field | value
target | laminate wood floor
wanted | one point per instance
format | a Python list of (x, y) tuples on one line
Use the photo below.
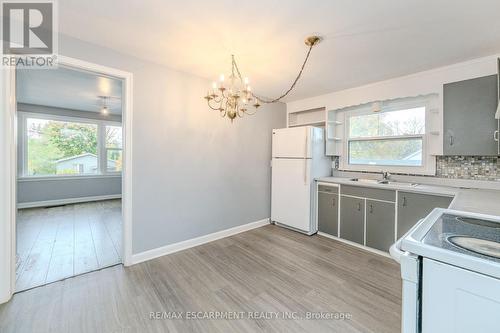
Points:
[(59, 242), (262, 271)]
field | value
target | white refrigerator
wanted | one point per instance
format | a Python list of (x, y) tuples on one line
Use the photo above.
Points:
[(298, 157)]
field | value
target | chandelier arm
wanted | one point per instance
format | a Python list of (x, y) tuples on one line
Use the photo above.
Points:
[(223, 95), (251, 113), (212, 106)]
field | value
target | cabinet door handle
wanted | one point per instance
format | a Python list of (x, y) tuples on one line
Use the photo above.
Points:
[(495, 136), (359, 206), (451, 140), (371, 208), (404, 202)]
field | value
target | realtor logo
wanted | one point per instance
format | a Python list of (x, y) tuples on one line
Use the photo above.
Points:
[(28, 33)]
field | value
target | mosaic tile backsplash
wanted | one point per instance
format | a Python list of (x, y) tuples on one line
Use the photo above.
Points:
[(463, 167), (468, 167)]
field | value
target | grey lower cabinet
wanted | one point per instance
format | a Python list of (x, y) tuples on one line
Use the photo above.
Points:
[(380, 220), (415, 206), (328, 213), (367, 216), (352, 219)]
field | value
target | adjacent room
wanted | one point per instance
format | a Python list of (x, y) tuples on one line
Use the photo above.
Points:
[(259, 166), (69, 174)]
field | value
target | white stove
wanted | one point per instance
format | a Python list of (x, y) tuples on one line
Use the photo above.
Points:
[(450, 266)]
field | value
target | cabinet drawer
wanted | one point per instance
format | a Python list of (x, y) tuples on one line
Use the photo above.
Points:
[(370, 193), (328, 189)]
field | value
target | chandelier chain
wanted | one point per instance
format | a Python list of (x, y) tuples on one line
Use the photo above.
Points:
[(269, 101), (235, 99)]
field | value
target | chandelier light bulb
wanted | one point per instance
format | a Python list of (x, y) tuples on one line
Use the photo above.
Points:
[(221, 78), (246, 81), (214, 85)]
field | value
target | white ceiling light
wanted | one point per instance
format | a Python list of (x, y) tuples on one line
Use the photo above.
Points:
[(104, 107), (376, 107)]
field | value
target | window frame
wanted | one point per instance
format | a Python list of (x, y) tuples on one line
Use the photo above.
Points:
[(101, 145), (105, 149), (428, 166)]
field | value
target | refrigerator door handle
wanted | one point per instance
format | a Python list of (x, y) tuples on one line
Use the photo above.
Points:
[(307, 143), (305, 155), (305, 172)]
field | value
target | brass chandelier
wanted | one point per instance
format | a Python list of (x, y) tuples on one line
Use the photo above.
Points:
[(236, 97)]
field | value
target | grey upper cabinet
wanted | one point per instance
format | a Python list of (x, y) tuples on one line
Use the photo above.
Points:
[(380, 220), (415, 206), (328, 213), (469, 117), (352, 223)]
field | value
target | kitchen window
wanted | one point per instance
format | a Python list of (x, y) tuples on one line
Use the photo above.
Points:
[(388, 136), (54, 146), (393, 138)]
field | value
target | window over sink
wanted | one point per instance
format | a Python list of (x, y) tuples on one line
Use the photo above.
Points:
[(388, 136), (393, 138)]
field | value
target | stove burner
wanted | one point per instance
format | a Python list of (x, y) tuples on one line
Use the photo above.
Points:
[(477, 245)]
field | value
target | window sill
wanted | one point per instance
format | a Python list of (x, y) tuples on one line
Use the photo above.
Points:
[(68, 177), (422, 170)]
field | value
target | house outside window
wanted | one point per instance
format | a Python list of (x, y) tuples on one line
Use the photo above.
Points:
[(65, 146)]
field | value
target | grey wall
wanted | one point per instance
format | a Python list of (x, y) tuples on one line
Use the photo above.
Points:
[(56, 189), (31, 190), (194, 173)]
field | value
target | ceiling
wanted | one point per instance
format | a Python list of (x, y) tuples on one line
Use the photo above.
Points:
[(365, 41), (69, 89)]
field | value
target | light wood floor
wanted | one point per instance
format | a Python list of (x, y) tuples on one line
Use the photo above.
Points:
[(265, 269), (59, 242)]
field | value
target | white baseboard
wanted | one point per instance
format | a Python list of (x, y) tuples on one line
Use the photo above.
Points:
[(68, 201), (168, 249)]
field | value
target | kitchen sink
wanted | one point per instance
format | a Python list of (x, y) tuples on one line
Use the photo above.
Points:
[(363, 180), (382, 182)]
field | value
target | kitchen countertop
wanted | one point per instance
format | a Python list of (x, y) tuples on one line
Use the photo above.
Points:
[(480, 201)]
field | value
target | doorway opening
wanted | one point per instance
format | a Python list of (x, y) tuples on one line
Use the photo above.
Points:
[(70, 165)]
